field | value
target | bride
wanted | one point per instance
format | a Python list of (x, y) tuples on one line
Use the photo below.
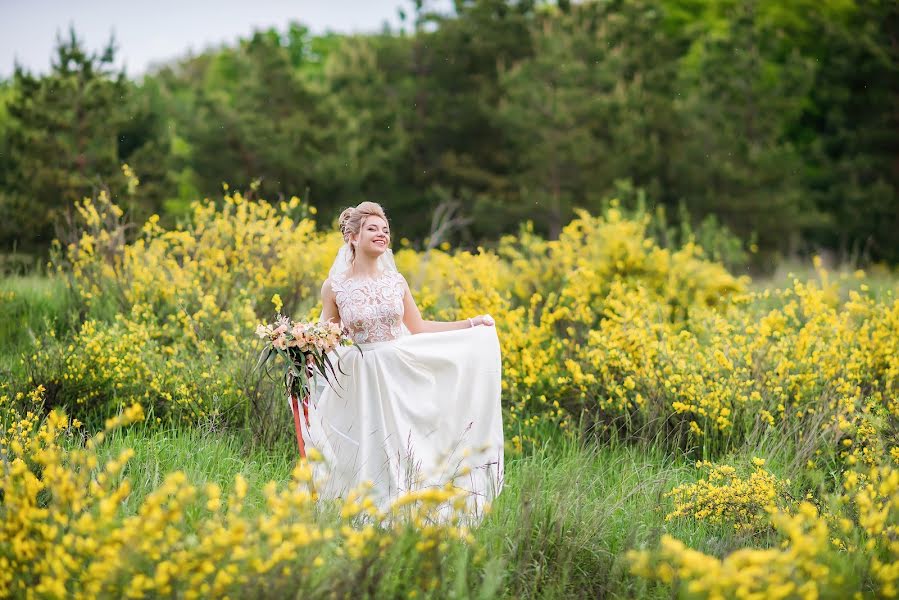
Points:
[(409, 411)]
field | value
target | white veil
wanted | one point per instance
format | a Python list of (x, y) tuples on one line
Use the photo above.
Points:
[(343, 261)]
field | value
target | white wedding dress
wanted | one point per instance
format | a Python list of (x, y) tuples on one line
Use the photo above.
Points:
[(409, 411)]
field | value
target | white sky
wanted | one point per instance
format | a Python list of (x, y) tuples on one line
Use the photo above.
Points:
[(157, 30)]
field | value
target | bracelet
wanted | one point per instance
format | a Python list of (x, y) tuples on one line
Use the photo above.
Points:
[(470, 323)]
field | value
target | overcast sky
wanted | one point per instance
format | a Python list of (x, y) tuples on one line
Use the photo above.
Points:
[(150, 31)]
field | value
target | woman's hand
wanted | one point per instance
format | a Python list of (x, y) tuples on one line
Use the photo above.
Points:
[(482, 320)]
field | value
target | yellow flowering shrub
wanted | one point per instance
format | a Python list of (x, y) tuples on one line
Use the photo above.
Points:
[(869, 523), (602, 327), (796, 570), (213, 275), (173, 309), (132, 359), (64, 532), (724, 497), (802, 358), (848, 549), (587, 311)]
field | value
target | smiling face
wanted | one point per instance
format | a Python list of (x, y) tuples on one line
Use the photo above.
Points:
[(374, 236)]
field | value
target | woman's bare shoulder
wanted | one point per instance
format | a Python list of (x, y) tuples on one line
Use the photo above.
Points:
[(327, 288), (336, 280), (399, 278)]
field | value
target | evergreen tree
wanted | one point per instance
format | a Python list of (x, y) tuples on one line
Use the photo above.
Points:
[(365, 76), (848, 129), (256, 119), (547, 108), (63, 143), (739, 98), (592, 107), (459, 151)]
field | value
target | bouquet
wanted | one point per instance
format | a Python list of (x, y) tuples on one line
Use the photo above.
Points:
[(304, 347)]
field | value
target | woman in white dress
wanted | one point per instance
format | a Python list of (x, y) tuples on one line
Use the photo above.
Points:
[(409, 411)]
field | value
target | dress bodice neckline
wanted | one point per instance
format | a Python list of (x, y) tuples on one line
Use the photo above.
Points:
[(370, 307), (346, 277)]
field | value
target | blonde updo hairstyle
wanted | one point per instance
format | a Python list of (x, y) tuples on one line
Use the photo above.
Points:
[(352, 218)]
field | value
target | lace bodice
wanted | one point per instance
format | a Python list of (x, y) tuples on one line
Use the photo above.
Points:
[(371, 308)]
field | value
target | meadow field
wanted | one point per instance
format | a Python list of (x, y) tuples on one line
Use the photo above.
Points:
[(673, 429)]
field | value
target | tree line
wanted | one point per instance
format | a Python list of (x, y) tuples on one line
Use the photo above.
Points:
[(778, 120)]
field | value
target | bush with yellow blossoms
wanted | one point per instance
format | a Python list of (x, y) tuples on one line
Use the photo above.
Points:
[(168, 312), (725, 497), (797, 569), (556, 301), (602, 327), (803, 361), (847, 548), (64, 532), (106, 365)]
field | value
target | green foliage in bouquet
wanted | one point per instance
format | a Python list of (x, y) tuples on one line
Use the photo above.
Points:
[(303, 346)]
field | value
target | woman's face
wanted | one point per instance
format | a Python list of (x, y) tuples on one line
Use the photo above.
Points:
[(374, 236)]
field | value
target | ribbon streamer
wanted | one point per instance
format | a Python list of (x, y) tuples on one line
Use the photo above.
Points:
[(295, 408)]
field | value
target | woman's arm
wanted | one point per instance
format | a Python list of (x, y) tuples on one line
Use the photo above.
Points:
[(413, 321), (329, 303), (329, 310)]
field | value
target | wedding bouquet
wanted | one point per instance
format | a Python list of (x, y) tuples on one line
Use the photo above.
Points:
[(303, 346)]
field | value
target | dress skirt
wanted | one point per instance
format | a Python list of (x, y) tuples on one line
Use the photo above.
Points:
[(415, 412)]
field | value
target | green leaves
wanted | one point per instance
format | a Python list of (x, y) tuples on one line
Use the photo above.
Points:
[(300, 365), (775, 117)]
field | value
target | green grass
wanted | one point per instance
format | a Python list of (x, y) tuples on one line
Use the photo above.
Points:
[(568, 513), (560, 528), (881, 281), (204, 456), (30, 306)]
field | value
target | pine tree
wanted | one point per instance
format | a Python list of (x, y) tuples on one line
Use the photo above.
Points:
[(256, 118), (547, 108), (740, 96), (64, 139)]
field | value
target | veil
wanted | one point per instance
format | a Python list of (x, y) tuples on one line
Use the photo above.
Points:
[(343, 261)]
